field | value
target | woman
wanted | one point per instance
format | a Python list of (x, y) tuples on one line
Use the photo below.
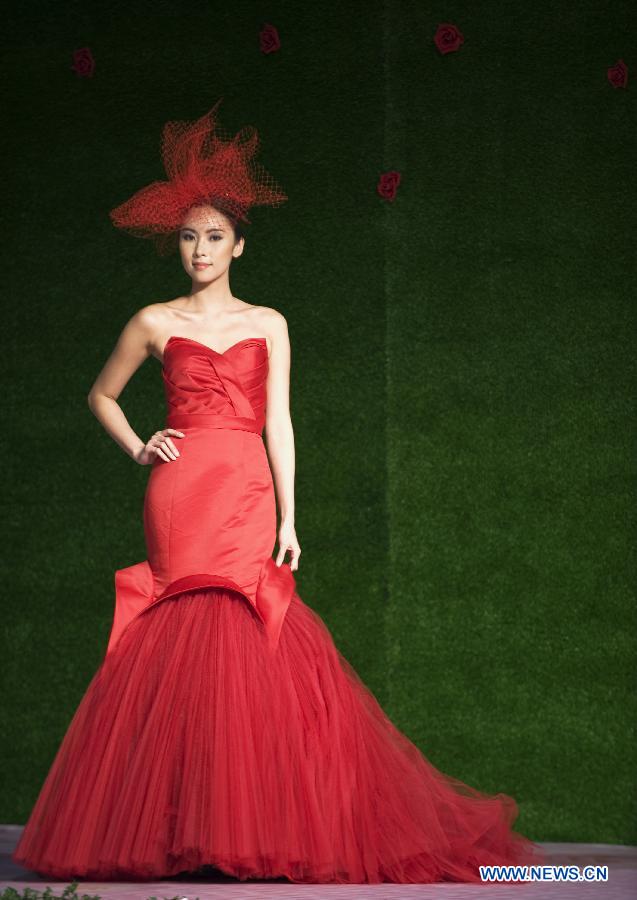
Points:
[(224, 728)]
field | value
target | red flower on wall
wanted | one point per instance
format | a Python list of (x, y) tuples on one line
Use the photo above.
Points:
[(269, 38), (618, 74), (448, 38), (388, 184), (83, 62)]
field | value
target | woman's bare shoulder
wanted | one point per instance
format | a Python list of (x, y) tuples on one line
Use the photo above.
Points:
[(157, 315), (270, 317), (149, 323), (151, 312), (163, 308), (271, 323)]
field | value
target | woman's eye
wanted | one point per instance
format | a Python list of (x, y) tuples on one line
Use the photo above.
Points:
[(214, 237)]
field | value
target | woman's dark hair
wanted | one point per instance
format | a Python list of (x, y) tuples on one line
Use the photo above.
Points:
[(239, 230), (230, 213)]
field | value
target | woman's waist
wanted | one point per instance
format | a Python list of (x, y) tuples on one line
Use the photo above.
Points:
[(213, 420)]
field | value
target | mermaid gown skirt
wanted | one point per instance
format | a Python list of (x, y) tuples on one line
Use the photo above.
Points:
[(223, 727)]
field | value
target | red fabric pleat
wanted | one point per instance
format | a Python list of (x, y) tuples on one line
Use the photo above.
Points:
[(194, 746)]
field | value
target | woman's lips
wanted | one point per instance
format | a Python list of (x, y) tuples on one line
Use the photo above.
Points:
[(200, 265)]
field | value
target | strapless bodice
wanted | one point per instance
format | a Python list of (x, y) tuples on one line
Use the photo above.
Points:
[(210, 513), (219, 390)]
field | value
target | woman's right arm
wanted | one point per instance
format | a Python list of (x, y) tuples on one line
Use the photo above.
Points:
[(131, 350)]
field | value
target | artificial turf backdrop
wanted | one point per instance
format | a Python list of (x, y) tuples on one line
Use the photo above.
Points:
[(463, 374)]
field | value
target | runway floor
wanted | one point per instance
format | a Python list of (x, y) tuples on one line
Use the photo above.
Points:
[(621, 884)]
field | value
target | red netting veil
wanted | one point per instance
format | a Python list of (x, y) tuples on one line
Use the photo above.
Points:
[(205, 166)]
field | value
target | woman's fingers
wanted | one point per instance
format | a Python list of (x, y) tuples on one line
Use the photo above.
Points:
[(158, 446), (169, 446), (295, 554), (172, 447), (163, 446)]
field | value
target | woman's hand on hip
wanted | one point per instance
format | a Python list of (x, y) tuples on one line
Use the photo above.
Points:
[(160, 445)]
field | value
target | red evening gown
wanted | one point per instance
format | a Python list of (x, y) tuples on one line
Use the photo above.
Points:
[(223, 727)]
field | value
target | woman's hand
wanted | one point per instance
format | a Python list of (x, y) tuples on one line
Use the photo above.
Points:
[(160, 445), (288, 541)]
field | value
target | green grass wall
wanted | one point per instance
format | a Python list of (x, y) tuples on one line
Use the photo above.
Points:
[(463, 375)]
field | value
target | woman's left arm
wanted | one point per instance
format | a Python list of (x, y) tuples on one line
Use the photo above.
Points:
[(279, 435)]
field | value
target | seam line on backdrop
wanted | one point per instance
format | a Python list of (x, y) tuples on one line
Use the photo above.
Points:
[(390, 634)]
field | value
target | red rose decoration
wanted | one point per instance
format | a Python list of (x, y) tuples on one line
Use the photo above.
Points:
[(269, 38), (387, 184), (448, 38), (83, 62), (618, 74)]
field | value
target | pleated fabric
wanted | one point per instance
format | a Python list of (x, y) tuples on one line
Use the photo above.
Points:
[(194, 746)]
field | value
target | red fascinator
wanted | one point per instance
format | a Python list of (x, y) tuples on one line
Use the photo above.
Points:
[(204, 167)]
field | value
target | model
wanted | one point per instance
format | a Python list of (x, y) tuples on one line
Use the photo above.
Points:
[(223, 727)]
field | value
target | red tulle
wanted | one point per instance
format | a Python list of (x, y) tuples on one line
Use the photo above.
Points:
[(205, 166), (194, 746)]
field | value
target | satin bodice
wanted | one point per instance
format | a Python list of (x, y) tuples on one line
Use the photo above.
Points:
[(210, 513), (212, 389)]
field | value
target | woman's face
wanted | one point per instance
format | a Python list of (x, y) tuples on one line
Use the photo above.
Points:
[(207, 238)]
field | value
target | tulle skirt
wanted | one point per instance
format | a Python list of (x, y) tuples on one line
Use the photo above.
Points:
[(194, 747)]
